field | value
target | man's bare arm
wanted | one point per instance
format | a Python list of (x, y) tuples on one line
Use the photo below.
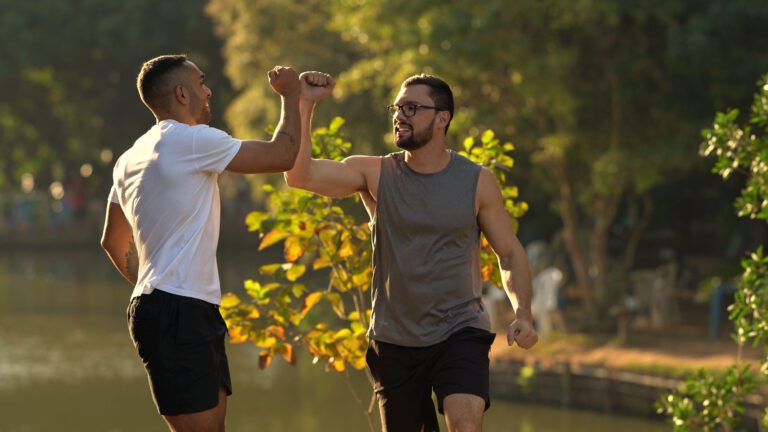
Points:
[(117, 241), (324, 177), (513, 263), (279, 153)]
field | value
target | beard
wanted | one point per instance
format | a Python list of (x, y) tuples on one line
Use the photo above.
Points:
[(206, 115), (202, 111), (416, 139)]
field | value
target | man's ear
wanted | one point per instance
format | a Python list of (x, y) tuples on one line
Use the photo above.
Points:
[(443, 117), (180, 94)]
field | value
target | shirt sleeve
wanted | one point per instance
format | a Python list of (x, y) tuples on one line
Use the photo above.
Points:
[(113, 195), (213, 149)]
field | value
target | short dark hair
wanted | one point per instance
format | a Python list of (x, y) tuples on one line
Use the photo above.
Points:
[(439, 91), (153, 83)]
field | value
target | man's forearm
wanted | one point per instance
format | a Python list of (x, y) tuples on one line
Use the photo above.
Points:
[(301, 167), (516, 277), (288, 130), (126, 261), (131, 263)]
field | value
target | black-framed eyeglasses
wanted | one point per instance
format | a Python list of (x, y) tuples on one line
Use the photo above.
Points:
[(409, 109)]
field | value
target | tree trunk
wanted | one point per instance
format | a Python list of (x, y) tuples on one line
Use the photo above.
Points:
[(638, 228), (605, 212), (571, 240)]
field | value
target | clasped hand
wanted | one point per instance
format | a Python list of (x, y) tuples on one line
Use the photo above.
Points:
[(284, 80)]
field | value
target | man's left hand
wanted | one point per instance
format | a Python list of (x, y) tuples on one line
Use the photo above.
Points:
[(316, 85), (522, 331)]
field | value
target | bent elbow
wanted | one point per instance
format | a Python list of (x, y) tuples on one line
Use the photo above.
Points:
[(109, 243), (296, 178), (288, 163), (107, 247)]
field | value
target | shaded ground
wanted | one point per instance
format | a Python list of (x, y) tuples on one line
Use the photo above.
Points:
[(679, 349), (669, 355)]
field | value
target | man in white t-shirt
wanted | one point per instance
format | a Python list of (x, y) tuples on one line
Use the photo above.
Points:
[(162, 229)]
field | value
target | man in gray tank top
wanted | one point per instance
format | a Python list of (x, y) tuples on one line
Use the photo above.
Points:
[(428, 206)]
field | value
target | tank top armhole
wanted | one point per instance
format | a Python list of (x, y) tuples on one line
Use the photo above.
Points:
[(382, 163), (478, 170)]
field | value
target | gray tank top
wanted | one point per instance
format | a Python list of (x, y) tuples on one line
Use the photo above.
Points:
[(426, 253)]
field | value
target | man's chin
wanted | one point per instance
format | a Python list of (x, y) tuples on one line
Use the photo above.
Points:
[(408, 144), (403, 146)]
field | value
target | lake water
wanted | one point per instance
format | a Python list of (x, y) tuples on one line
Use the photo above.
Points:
[(67, 363)]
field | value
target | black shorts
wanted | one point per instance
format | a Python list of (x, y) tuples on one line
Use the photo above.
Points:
[(404, 377), (181, 342)]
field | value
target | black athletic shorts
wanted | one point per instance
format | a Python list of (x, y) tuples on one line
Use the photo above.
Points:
[(181, 342), (404, 377)]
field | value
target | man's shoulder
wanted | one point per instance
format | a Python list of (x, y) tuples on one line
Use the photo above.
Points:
[(464, 160), (367, 166), (207, 129), (172, 127), (363, 160)]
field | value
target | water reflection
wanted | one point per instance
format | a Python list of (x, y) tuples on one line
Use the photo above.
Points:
[(67, 364)]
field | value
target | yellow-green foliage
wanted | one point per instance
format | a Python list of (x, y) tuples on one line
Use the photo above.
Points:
[(316, 233)]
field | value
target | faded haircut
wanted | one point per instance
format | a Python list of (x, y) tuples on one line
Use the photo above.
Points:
[(154, 81)]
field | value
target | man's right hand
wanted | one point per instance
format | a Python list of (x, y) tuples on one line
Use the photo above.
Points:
[(284, 80), (315, 86)]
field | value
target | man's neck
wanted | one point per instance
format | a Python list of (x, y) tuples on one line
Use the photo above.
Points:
[(431, 158), (176, 117)]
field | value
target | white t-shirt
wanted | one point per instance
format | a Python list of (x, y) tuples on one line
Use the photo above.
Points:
[(166, 184)]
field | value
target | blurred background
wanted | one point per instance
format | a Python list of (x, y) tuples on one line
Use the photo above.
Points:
[(604, 101)]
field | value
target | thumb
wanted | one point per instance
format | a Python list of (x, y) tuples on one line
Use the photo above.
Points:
[(512, 331)]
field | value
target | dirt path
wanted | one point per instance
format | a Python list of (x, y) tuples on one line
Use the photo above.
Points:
[(669, 355)]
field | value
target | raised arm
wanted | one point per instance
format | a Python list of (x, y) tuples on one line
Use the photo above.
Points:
[(324, 177), (513, 263), (279, 153), (117, 241)]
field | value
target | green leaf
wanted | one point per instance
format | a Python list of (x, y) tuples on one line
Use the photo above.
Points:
[(321, 263), (468, 143), (295, 271), (270, 269), (252, 288), (488, 136), (254, 220), (337, 303), (310, 301), (342, 334), (336, 124), (272, 237), (298, 290), (229, 300)]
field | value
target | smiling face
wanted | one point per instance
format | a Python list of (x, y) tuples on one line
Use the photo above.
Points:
[(199, 94), (411, 133)]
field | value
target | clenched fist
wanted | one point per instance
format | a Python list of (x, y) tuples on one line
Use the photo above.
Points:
[(521, 331), (284, 80), (315, 86)]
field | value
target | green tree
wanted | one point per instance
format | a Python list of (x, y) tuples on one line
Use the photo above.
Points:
[(68, 70), (261, 34), (604, 97), (708, 402), (598, 92), (318, 233)]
